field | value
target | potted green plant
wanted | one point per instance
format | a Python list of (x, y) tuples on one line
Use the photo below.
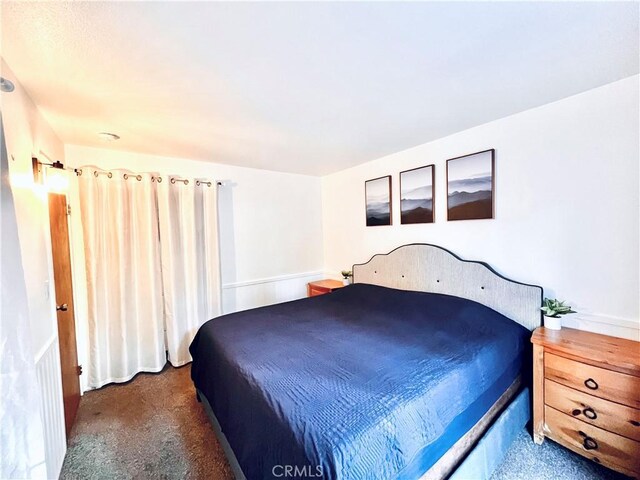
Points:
[(553, 310), (347, 276)]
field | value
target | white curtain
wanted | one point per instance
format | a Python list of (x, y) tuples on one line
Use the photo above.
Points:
[(153, 270), (124, 282), (190, 261)]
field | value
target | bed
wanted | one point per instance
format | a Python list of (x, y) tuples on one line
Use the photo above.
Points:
[(417, 370)]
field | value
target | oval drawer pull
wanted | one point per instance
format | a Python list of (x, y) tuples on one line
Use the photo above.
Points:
[(589, 444), (590, 413), (591, 384)]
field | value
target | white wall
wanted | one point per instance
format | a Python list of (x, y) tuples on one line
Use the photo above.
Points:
[(270, 228), (566, 212), (27, 134)]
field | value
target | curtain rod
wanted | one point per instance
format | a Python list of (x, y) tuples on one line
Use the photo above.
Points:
[(138, 177)]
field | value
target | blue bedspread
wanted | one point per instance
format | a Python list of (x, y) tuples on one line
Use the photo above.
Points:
[(365, 383)]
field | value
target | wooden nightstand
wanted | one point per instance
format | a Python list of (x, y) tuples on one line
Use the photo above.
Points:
[(586, 395), (321, 287)]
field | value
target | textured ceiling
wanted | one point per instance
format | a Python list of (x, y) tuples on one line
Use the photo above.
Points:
[(307, 87)]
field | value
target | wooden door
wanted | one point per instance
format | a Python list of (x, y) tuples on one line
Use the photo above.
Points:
[(64, 307)]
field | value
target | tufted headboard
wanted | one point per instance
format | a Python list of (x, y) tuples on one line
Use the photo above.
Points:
[(429, 268)]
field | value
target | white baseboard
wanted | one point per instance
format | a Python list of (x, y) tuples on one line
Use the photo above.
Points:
[(605, 325), (40, 353), (52, 407), (244, 295), (278, 278)]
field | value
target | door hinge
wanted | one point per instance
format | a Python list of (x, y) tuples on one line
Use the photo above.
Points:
[(79, 368), (68, 209)]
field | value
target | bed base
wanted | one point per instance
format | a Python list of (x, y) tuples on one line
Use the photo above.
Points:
[(479, 463), (222, 438), (490, 451), (452, 458)]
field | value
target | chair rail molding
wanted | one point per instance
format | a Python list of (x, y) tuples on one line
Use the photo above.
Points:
[(260, 292)]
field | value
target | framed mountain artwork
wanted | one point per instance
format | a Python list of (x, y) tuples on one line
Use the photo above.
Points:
[(470, 186), (416, 195), (378, 201)]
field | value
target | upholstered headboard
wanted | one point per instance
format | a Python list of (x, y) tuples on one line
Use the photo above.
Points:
[(429, 268)]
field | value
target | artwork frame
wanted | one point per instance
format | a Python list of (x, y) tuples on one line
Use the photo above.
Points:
[(470, 187), (378, 202), (421, 208)]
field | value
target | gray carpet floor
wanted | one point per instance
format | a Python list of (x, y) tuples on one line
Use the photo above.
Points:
[(153, 427), (527, 461)]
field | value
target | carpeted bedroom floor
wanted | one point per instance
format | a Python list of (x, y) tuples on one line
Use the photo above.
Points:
[(153, 427)]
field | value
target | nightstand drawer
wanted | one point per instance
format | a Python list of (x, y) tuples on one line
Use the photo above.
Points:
[(320, 287), (601, 413), (614, 386), (317, 291), (592, 442)]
